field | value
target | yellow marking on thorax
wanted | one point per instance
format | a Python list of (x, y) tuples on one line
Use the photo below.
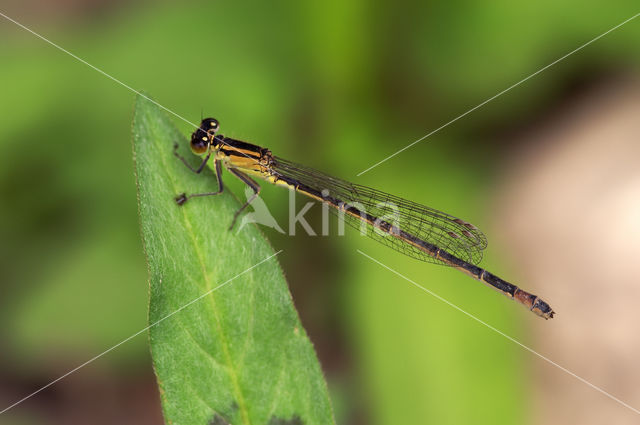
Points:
[(247, 161)]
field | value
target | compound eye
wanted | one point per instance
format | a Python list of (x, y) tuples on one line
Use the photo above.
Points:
[(200, 142), (210, 125)]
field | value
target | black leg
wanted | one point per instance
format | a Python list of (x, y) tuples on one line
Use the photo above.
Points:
[(249, 182), (182, 198), (199, 169)]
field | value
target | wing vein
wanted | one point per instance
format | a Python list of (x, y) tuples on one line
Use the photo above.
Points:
[(443, 230)]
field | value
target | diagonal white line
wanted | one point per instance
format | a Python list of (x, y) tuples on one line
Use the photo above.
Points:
[(95, 68), (499, 94), (138, 333), (504, 335)]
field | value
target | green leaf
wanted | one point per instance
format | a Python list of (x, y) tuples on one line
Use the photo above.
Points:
[(238, 355)]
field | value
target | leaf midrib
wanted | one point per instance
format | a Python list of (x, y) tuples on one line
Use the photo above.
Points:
[(225, 346)]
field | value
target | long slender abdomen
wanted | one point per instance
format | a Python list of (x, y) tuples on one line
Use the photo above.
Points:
[(532, 302)]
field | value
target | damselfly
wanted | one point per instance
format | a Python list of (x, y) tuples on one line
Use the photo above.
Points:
[(410, 228)]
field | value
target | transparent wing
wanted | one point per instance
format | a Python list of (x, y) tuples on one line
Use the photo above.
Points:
[(445, 231)]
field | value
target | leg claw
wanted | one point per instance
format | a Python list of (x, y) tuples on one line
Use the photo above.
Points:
[(181, 199)]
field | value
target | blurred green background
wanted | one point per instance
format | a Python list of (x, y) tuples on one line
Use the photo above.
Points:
[(335, 85)]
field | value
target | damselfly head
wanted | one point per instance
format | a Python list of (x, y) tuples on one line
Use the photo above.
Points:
[(204, 136)]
